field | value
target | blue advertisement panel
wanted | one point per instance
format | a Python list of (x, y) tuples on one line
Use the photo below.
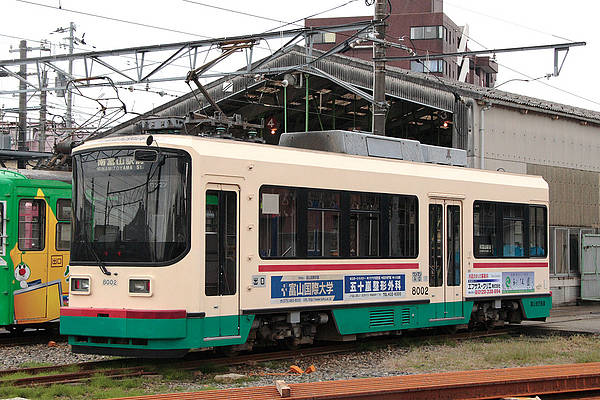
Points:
[(305, 289), (358, 287)]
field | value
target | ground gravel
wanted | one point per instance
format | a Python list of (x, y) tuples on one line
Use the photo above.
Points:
[(16, 356)]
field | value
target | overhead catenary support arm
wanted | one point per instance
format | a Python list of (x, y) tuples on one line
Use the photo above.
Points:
[(561, 46)]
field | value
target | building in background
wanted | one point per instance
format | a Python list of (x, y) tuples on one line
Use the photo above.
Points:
[(422, 26)]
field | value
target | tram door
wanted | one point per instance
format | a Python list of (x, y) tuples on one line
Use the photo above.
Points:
[(445, 257), (222, 261), (31, 261)]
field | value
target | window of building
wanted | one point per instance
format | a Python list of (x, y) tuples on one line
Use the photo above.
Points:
[(566, 242), (324, 38), (509, 230), (427, 32), (32, 224), (427, 65)]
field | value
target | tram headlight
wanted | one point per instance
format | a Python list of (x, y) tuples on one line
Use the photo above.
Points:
[(139, 286), (80, 285)]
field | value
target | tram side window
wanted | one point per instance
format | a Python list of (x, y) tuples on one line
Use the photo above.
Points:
[(403, 226), (323, 224), (507, 230), (32, 223), (513, 224), (364, 225), (484, 229), (278, 222), (537, 231), (63, 226), (2, 239)]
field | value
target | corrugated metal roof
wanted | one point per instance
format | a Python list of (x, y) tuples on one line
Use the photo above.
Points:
[(411, 86)]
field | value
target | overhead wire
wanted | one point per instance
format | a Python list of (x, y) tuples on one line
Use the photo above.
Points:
[(179, 31), (532, 79), (508, 21)]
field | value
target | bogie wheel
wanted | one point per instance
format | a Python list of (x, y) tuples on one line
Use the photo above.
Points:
[(16, 330)]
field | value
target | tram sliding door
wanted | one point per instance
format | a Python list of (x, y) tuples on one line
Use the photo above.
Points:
[(222, 261), (445, 258)]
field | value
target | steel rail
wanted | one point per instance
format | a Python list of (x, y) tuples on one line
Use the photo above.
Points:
[(464, 385)]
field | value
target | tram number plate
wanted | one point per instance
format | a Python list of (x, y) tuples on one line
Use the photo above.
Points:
[(420, 290), (109, 282)]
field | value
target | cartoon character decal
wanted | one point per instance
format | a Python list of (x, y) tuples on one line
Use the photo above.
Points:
[(22, 273)]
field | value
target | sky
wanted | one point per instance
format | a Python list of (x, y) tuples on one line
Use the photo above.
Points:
[(492, 24)]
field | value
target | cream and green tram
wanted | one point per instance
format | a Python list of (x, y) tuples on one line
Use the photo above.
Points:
[(193, 243)]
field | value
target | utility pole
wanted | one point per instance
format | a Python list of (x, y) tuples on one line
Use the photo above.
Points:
[(69, 117), (43, 93), (22, 103), (379, 107)]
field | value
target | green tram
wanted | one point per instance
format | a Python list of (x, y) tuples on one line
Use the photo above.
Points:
[(35, 233)]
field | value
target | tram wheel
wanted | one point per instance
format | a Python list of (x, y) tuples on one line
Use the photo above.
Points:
[(16, 330)]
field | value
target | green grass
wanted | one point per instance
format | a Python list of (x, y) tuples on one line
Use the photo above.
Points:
[(34, 364), (496, 352)]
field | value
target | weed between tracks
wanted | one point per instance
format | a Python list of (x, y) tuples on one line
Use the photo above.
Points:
[(409, 355), (496, 352)]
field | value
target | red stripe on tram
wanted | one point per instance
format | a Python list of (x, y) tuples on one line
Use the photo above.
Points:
[(511, 265), (121, 313), (333, 267)]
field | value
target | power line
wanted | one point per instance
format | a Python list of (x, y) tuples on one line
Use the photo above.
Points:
[(311, 16), (532, 79), (235, 11), (113, 19), (508, 22)]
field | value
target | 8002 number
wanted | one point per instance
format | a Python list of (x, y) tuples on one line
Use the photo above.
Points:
[(420, 290)]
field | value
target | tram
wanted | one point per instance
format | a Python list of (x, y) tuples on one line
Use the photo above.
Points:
[(183, 242), (35, 235)]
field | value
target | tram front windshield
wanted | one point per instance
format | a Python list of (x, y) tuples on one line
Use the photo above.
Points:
[(130, 206)]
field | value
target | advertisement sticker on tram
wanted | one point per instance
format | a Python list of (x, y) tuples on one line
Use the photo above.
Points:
[(305, 289), (518, 282), (358, 287), (484, 283)]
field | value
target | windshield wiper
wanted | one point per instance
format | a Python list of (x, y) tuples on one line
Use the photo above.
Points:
[(100, 262)]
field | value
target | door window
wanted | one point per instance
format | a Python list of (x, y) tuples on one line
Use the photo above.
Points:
[(453, 246), (436, 277), (221, 243)]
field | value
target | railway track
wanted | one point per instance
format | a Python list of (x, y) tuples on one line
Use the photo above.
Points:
[(572, 381), (29, 338), (135, 367)]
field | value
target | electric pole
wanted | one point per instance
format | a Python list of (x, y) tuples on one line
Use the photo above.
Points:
[(43, 92), (22, 103), (379, 105), (69, 117)]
